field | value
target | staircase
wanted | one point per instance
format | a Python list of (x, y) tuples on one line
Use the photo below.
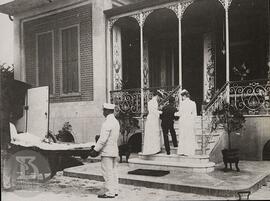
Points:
[(197, 163), (206, 140)]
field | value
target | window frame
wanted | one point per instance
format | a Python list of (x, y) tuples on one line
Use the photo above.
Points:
[(62, 94)]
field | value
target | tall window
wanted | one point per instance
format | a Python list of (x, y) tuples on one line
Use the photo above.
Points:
[(45, 60), (70, 76)]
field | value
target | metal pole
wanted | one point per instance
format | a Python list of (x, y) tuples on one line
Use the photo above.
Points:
[(141, 48), (268, 22), (142, 83), (227, 51), (180, 43)]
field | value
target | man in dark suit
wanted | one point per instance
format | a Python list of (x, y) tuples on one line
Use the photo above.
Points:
[(167, 123)]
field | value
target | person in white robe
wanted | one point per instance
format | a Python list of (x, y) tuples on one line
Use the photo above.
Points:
[(187, 112), (152, 135)]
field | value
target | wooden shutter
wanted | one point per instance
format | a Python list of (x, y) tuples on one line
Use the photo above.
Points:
[(45, 60), (70, 60)]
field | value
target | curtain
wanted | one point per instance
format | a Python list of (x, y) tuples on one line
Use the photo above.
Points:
[(70, 60), (45, 60)]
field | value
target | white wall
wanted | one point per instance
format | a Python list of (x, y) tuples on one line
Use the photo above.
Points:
[(85, 117)]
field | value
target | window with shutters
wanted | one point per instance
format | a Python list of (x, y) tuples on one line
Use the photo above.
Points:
[(70, 60), (45, 62)]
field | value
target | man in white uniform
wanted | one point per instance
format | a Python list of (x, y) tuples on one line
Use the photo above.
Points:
[(108, 148)]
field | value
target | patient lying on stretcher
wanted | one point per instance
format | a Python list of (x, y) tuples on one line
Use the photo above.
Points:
[(29, 139)]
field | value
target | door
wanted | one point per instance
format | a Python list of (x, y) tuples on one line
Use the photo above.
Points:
[(192, 51), (38, 111)]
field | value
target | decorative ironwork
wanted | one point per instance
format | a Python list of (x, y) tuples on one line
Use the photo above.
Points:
[(251, 97), (137, 17), (117, 59), (111, 23), (129, 101), (225, 3), (175, 9), (209, 67), (184, 6), (145, 66), (144, 16), (180, 8), (207, 115), (141, 16)]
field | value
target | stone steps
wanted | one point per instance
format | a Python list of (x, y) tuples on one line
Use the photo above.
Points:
[(173, 165), (199, 134), (172, 162), (175, 158), (198, 151)]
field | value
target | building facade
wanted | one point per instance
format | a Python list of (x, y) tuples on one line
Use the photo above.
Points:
[(62, 44), (91, 51), (208, 47)]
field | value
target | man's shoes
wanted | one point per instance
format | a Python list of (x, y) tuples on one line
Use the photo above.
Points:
[(116, 194), (105, 196), (168, 153)]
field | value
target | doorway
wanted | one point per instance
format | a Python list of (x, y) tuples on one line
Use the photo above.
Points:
[(192, 70)]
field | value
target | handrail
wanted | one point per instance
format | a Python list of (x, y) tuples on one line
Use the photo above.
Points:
[(216, 95), (138, 89), (249, 96), (207, 112), (169, 95), (129, 100)]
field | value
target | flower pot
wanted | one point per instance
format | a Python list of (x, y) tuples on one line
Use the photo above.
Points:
[(231, 156)]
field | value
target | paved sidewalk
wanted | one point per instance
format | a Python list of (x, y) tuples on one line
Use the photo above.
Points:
[(62, 188), (217, 183)]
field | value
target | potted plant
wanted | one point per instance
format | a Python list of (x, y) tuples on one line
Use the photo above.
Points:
[(232, 120)]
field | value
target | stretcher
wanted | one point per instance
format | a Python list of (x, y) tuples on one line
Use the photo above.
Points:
[(54, 153)]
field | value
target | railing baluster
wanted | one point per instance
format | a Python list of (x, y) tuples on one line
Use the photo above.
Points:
[(252, 97), (129, 100)]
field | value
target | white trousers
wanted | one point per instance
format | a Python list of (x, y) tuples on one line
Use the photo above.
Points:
[(110, 174)]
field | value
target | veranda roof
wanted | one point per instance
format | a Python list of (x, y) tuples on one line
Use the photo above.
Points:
[(135, 6)]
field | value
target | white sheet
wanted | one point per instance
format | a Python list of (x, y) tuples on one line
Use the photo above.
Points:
[(30, 140)]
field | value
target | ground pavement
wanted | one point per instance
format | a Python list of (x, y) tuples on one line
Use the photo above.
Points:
[(62, 188)]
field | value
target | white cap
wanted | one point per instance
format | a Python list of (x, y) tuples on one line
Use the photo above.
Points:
[(108, 106), (184, 91)]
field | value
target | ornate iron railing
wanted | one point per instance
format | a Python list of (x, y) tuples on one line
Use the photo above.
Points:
[(207, 115), (251, 97), (128, 101)]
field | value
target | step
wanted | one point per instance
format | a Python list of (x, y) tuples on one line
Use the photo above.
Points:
[(163, 157), (173, 150), (199, 151), (207, 135), (172, 166)]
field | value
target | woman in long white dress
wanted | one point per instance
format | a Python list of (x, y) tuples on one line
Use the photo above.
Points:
[(187, 112), (152, 135)]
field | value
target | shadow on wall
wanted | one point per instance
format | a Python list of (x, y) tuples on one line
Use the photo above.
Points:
[(266, 151)]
